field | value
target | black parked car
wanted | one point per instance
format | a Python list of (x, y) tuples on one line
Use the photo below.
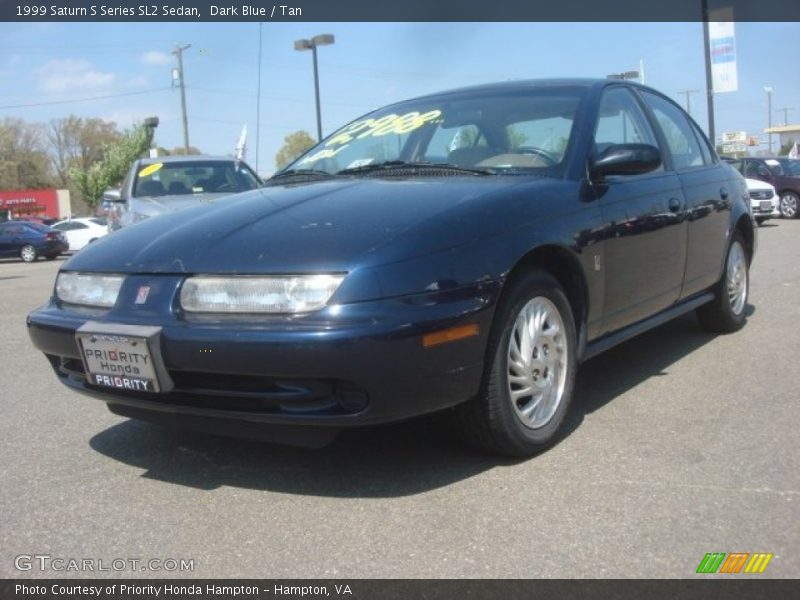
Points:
[(782, 173), (30, 240), (463, 251)]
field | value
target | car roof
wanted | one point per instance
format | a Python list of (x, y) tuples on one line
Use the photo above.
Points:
[(183, 158), (528, 84)]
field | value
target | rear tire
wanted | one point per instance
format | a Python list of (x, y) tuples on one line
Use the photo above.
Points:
[(531, 349), (28, 253), (725, 314)]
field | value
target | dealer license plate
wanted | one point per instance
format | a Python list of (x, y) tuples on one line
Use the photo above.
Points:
[(113, 358)]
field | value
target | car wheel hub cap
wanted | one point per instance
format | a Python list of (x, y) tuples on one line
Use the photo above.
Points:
[(27, 253), (788, 205), (537, 362), (737, 278)]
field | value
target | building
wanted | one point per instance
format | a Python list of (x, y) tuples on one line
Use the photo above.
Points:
[(787, 135), (22, 204)]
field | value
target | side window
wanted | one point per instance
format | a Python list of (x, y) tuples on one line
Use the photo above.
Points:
[(705, 149), (738, 165), (621, 121), (683, 144), (750, 169)]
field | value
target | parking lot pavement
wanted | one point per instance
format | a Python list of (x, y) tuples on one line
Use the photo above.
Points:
[(680, 443)]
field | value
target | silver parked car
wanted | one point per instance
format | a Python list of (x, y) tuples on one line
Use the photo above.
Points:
[(165, 184)]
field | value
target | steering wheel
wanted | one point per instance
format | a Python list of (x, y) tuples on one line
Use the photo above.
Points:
[(541, 153)]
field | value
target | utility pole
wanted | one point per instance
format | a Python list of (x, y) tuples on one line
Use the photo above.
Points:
[(179, 53), (785, 112), (688, 94)]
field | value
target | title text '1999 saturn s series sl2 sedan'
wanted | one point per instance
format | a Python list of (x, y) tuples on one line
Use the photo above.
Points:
[(462, 251)]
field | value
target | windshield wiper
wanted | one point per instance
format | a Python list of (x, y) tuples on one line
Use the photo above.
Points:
[(402, 164), (300, 173)]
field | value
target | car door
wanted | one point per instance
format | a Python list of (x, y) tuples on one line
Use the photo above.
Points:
[(5, 240), (645, 232), (707, 188)]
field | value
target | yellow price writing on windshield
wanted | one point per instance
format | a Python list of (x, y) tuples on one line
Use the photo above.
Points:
[(392, 123)]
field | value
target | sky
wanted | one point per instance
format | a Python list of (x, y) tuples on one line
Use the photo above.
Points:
[(370, 65)]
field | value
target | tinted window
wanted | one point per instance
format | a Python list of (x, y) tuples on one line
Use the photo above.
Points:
[(705, 149), (444, 141), (683, 145)]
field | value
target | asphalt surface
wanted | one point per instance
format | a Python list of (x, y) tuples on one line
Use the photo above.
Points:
[(679, 443)]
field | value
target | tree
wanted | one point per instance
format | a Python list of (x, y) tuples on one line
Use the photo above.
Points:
[(79, 143), (111, 170), (294, 145), (23, 157), (181, 151)]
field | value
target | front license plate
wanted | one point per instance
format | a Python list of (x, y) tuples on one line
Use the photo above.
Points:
[(766, 205), (123, 357)]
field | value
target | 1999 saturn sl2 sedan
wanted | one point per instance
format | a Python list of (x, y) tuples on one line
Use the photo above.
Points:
[(465, 250)]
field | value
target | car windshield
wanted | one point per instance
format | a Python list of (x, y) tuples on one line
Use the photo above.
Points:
[(193, 177), (784, 166), (512, 131)]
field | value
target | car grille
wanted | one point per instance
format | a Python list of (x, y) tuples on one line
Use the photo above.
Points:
[(241, 393), (761, 194)]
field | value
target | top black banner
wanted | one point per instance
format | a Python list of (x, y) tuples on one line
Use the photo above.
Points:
[(402, 10)]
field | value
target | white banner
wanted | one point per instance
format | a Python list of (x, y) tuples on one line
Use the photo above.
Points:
[(722, 46)]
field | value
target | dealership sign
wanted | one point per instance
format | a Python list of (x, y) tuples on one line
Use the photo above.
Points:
[(722, 46)]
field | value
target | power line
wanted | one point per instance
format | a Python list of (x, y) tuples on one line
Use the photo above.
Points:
[(87, 99)]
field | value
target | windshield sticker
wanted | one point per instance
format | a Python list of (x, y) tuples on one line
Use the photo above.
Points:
[(197, 190), (150, 169), (324, 153), (772, 161), (398, 124), (359, 162)]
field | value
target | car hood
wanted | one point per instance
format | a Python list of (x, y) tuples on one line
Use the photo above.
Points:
[(329, 226), (757, 184), (152, 206)]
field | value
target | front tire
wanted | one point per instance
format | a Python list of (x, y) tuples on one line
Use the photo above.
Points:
[(789, 205), (28, 253), (725, 314), (530, 372)]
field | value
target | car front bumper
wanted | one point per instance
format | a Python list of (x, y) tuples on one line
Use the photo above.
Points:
[(347, 365)]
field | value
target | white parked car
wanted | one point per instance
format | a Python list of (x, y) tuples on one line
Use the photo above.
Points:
[(80, 232), (764, 202)]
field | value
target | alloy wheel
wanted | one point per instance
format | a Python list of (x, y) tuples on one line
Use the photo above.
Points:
[(537, 362), (737, 278)]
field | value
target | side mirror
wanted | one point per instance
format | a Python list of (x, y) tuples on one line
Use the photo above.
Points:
[(625, 159), (112, 195)]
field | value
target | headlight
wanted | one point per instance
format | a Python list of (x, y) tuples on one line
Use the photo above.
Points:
[(89, 289), (245, 294)]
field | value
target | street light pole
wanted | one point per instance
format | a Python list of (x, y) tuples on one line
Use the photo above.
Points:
[(769, 115), (318, 40), (709, 79)]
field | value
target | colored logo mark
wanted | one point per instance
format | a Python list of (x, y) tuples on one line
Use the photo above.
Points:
[(735, 562)]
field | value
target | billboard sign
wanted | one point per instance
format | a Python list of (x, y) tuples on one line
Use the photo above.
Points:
[(722, 46)]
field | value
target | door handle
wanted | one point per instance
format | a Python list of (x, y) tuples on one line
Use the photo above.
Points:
[(723, 193), (674, 205)]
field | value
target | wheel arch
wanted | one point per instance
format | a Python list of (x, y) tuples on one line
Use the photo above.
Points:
[(744, 225), (564, 267)]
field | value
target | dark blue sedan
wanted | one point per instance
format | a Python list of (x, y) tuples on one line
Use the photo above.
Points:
[(462, 251), (29, 241)]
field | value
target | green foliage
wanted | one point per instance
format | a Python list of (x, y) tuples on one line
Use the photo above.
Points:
[(111, 170), (294, 145)]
